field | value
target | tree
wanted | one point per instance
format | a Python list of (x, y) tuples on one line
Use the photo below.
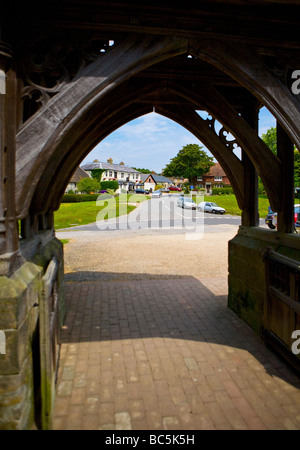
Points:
[(88, 185), (191, 162), (297, 168), (270, 139), (143, 170)]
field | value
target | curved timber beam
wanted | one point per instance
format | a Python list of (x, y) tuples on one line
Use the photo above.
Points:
[(39, 137), (266, 163), (113, 111), (243, 65), (124, 110), (51, 198), (189, 119)]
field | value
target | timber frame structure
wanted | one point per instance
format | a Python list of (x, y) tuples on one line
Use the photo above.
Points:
[(75, 71)]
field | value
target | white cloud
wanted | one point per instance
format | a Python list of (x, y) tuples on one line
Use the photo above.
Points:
[(152, 140), (147, 142)]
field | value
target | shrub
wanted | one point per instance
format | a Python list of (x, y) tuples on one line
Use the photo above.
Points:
[(222, 191), (110, 184), (88, 185), (110, 191), (75, 198)]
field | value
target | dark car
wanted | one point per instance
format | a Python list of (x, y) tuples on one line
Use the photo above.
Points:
[(141, 191), (269, 219)]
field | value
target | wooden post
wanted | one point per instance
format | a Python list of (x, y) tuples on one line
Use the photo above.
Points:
[(250, 214), (285, 152), (9, 241)]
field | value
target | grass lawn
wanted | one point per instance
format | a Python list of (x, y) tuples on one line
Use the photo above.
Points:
[(230, 204), (83, 213)]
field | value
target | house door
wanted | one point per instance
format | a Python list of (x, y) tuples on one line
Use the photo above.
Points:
[(208, 188)]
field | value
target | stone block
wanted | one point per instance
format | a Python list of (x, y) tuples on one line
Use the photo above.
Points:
[(19, 314)]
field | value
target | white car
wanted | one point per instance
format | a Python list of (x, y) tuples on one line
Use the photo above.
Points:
[(186, 202), (211, 207), (156, 194)]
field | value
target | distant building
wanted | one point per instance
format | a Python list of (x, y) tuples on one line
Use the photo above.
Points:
[(214, 178), (78, 175), (127, 177), (150, 180)]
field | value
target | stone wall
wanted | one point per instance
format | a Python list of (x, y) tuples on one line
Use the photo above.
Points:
[(19, 319), (246, 279)]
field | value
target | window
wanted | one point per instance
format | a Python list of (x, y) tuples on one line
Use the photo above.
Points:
[(122, 174), (199, 178), (110, 173), (218, 178)]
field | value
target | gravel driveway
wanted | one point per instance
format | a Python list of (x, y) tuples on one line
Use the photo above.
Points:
[(142, 254)]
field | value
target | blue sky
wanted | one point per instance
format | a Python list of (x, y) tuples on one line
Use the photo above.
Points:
[(152, 140)]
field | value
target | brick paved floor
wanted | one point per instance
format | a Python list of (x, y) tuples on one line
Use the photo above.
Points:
[(165, 354)]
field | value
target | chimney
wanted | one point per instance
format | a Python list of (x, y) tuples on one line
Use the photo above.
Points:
[(110, 161), (121, 163)]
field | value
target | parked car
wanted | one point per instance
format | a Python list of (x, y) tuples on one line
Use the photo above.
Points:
[(211, 207), (269, 219), (141, 191), (296, 219), (174, 188), (186, 202), (156, 194), (165, 190)]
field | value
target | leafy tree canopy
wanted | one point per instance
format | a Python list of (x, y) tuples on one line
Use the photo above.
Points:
[(190, 162), (270, 139), (297, 168), (143, 170)]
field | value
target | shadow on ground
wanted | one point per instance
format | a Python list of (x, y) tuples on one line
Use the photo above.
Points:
[(122, 306)]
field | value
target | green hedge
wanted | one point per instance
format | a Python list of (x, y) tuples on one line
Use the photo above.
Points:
[(109, 184), (74, 198), (222, 191)]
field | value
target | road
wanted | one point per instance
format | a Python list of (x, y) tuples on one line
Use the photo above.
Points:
[(162, 215)]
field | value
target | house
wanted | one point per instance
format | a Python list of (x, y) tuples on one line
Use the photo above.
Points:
[(127, 177), (215, 178), (179, 181), (151, 180), (78, 175)]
